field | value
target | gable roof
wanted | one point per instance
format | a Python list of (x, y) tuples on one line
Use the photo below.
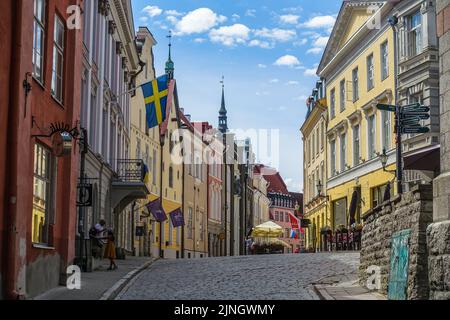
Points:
[(273, 177), (348, 8)]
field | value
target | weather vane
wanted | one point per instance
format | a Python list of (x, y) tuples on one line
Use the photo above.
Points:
[(223, 81)]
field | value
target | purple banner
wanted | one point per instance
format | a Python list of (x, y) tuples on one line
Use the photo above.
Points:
[(177, 218), (156, 209)]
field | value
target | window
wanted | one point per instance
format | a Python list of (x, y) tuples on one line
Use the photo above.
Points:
[(332, 103), (38, 40), (386, 134), (277, 216), (355, 84), (138, 148), (377, 194), (371, 136), (58, 60), (342, 151), (356, 143), (281, 217), (415, 34), (370, 72), (286, 217), (154, 168), (43, 201), (322, 135), (201, 227), (170, 177), (169, 222), (384, 60), (342, 95), (313, 152), (333, 157), (339, 212), (317, 140), (189, 224)]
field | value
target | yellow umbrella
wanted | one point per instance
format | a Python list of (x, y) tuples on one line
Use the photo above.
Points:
[(268, 229)]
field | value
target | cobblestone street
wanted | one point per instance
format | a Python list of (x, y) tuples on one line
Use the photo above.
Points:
[(259, 277)]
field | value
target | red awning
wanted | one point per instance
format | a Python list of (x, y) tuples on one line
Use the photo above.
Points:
[(423, 159)]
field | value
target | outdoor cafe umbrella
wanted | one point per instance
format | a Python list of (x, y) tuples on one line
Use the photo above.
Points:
[(268, 229)]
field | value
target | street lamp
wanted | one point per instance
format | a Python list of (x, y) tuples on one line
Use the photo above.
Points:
[(383, 159), (319, 188)]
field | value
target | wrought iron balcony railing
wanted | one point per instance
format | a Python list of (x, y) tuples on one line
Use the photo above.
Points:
[(129, 170)]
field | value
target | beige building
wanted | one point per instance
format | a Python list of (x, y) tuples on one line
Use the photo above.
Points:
[(261, 202), (314, 170), (144, 145), (195, 193)]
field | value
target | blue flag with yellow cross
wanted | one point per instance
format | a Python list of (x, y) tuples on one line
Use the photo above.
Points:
[(155, 96)]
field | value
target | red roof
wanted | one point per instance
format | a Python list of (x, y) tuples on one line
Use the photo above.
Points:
[(273, 177)]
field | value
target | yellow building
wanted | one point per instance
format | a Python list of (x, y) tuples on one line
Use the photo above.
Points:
[(314, 170), (195, 193), (358, 70), (144, 144)]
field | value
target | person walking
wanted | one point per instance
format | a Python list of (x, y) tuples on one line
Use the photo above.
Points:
[(110, 251)]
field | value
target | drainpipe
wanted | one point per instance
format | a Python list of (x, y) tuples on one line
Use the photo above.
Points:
[(161, 229), (11, 235)]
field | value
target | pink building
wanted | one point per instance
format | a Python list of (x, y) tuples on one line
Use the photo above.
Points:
[(283, 204)]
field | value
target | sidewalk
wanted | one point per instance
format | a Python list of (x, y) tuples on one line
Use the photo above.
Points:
[(101, 284), (344, 287)]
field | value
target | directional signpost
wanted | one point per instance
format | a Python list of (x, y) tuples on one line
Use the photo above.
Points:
[(407, 121)]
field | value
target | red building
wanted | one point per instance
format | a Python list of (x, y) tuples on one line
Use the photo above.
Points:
[(40, 77)]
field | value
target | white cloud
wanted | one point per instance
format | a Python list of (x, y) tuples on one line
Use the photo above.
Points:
[(289, 18), (274, 80), (173, 13), (261, 44), (276, 34), (250, 13), (152, 11), (311, 72), (319, 22), (235, 17), (262, 66), (321, 42), (230, 35), (300, 42), (314, 50), (173, 20), (198, 21), (282, 108), (292, 83), (263, 93), (288, 61), (199, 40), (300, 98)]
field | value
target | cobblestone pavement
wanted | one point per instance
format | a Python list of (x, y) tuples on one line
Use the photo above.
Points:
[(259, 277)]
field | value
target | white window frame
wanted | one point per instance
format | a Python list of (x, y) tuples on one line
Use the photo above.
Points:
[(57, 87), (39, 34), (415, 35), (384, 55), (370, 72), (355, 84)]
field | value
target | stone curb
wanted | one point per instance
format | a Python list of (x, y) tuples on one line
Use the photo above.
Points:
[(112, 292), (321, 292)]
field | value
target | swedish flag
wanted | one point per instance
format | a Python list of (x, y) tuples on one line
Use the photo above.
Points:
[(155, 95)]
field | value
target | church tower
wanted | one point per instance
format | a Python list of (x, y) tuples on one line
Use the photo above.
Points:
[(223, 125), (170, 66)]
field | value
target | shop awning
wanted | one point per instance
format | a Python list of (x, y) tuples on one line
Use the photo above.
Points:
[(426, 158)]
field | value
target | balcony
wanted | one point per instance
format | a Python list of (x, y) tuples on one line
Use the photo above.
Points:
[(128, 185)]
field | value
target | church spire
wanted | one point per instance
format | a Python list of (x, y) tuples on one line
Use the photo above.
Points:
[(170, 66), (223, 125)]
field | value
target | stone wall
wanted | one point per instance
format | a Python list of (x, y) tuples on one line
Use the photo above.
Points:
[(413, 210), (438, 235)]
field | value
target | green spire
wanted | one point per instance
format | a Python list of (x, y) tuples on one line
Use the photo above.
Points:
[(170, 66)]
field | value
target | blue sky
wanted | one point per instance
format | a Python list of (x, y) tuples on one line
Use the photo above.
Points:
[(267, 50)]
